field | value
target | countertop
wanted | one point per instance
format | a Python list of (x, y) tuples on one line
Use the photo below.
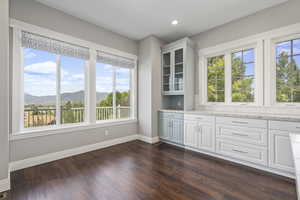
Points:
[(262, 116)]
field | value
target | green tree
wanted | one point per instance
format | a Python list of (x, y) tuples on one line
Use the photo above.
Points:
[(287, 79), (215, 77), (242, 90)]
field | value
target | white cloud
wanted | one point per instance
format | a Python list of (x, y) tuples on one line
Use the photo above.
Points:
[(48, 67), (28, 54)]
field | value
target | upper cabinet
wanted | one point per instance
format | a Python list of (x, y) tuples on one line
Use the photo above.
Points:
[(178, 71)]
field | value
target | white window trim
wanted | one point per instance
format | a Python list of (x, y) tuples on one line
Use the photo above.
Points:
[(90, 81), (271, 45), (226, 50), (268, 87)]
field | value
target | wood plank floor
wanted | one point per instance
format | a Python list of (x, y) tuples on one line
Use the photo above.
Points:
[(137, 170)]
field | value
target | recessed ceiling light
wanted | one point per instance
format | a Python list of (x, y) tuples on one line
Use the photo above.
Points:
[(174, 22)]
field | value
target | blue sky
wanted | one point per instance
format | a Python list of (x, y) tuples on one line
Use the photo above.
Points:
[(40, 74)]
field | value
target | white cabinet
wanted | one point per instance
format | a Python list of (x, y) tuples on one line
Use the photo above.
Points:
[(165, 128), (242, 151), (171, 127), (191, 133), (280, 149), (199, 135), (281, 156), (178, 73)]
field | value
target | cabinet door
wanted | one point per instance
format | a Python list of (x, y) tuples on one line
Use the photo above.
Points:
[(281, 156), (191, 133), (165, 128), (167, 72), (206, 139), (178, 130), (178, 70)]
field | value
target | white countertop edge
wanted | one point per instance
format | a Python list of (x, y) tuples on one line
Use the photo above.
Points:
[(262, 116)]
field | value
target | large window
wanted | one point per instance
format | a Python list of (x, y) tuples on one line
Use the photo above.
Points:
[(216, 79), (40, 73), (288, 71), (242, 76), (234, 75), (113, 87), (56, 84)]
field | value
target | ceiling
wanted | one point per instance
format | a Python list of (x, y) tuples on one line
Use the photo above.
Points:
[(137, 19)]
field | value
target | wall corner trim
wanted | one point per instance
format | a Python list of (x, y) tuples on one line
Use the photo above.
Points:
[(150, 140), (5, 184), (30, 162)]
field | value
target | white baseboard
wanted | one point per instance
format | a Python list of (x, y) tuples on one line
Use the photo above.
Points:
[(29, 162), (5, 184), (150, 140)]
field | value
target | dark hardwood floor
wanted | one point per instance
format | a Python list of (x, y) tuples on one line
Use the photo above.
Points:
[(137, 170)]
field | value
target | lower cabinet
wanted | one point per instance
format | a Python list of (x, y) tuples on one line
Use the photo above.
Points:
[(243, 152), (199, 135), (171, 128), (281, 156), (264, 144)]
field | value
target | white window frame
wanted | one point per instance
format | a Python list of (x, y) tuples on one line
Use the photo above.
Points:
[(227, 49), (90, 82), (271, 46), (131, 85)]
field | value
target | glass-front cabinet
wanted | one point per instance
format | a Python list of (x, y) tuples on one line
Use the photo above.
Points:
[(178, 70), (167, 78), (173, 71), (177, 85)]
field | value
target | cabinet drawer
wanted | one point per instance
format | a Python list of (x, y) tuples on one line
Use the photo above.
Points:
[(285, 126), (256, 123), (254, 136), (200, 118), (171, 115), (242, 152)]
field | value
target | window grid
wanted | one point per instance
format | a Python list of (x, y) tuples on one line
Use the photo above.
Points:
[(293, 89), (243, 77), (218, 94)]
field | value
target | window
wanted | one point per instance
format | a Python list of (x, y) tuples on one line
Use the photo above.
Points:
[(54, 86), (288, 71), (233, 76), (59, 84), (39, 88), (216, 79), (242, 76), (113, 87)]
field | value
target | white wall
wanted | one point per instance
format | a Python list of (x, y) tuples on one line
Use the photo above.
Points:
[(149, 79), (265, 20), (4, 92), (35, 13)]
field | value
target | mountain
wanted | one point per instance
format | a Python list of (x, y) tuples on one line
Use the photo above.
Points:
[(51, 100)]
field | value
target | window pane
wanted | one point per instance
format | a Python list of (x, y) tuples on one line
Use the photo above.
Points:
[(104, 89), (72, 90), (243, 76), (248, 56), (283, 48), (123, 93), (288, 74), (39, 88), (296, 47), (215, 80)]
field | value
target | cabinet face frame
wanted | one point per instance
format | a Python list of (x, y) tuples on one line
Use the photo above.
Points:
[(272, 150), (198, 133)]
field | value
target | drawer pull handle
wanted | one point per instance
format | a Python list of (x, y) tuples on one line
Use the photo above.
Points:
[(239, 134), (239, 151), (297, 127), (237, 122)]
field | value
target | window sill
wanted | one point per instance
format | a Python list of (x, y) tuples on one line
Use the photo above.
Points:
[(25, 134)]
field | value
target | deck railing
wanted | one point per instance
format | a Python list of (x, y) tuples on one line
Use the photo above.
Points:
[(47, 116)]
